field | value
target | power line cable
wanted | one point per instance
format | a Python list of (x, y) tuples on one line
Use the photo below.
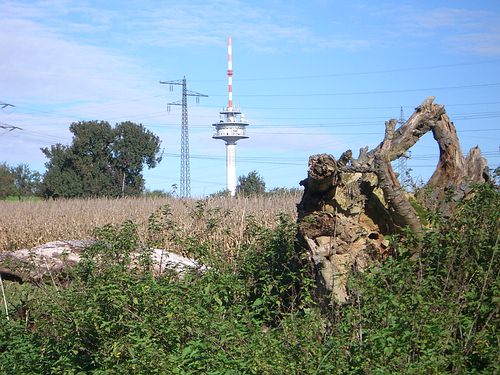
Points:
[(465, 114), (362, 133), (349, 74), (8, 127), (60, 114), (5, 105), (372, 92), (271, 159), (354, 108)]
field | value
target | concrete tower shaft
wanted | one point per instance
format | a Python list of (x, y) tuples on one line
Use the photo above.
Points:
[(231, 167)]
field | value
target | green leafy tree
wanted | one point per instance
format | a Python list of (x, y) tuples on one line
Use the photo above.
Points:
[(20, 181), (26, 181), (251, 184), (62, 178), (133, 147), (101, 161), (92, 159), (7, 186)]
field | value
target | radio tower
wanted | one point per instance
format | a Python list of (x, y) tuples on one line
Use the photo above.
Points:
[(185, 183), (231, 127)]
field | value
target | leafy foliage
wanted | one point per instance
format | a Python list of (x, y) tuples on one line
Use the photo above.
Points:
[(221, 194), (253, 313), (276, 275), (101, 161), (18, 181), (27, 182), (439, 313), (7, 186), (251, 184), (112, 319)]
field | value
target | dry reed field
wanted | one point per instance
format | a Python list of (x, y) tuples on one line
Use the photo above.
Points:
[(223, 220)]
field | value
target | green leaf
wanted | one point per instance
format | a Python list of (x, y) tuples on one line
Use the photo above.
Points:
[(257, 302)]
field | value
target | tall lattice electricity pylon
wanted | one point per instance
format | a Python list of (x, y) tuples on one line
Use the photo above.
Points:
[(401, 166), (185, 183)]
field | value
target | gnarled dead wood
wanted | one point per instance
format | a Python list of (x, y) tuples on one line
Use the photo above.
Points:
[(349, 204)]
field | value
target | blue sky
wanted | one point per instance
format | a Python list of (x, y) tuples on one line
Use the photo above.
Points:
[(311, 77)]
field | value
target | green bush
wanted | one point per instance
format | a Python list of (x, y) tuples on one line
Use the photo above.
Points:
[(439, 313), (253, 314)]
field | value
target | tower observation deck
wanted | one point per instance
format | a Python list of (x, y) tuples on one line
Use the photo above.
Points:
[(231, 128)]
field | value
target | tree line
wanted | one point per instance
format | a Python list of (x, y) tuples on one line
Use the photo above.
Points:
[(253, 184), (101, 160), (19, 181)]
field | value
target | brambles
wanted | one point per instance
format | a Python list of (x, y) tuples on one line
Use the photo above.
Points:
[(251, 312), (439, 313), (115, 316)]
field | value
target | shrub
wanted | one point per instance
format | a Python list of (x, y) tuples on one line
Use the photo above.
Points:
[(252, 313)]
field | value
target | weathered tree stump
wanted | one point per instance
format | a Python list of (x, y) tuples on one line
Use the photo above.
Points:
[(349, 205)]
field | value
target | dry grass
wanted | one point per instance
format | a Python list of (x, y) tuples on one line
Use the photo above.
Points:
[(31, 223)]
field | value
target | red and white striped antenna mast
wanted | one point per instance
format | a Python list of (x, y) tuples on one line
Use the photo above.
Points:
[(231, 127), (230, 73)]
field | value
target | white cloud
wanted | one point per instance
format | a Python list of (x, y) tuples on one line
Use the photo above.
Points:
[(39, 65), (181, 24), (481, 43), (390, 24), (455, 29)]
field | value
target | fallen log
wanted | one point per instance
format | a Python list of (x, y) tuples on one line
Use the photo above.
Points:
[(58, 257)]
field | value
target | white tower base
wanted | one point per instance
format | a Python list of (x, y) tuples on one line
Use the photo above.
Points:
[(231, 167)]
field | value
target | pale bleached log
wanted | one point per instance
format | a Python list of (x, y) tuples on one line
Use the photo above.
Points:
[(58, 257)]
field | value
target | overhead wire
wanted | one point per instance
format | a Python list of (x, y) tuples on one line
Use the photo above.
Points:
[(349, 74), (361, 133), (455, 117), (61, 114), (335, 108), (466, 116), (278, 160), (347, 93)]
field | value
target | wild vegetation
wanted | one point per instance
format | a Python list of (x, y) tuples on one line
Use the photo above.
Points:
[(253, 311), (30, 223)]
